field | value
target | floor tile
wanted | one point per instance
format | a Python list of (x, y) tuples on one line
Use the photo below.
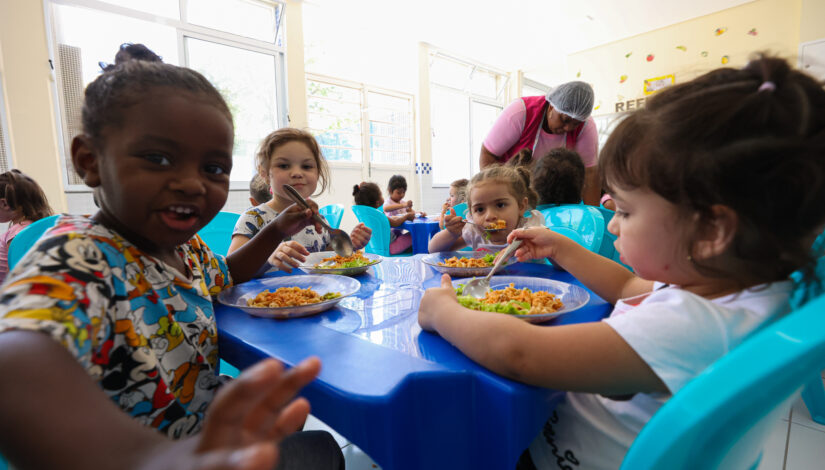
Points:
[(806, 449), (801, 415), (773, 456)]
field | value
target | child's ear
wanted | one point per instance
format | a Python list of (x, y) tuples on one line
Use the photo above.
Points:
[(717, 233), (84, 159), (254, 202), (523, 206), (4, 205)]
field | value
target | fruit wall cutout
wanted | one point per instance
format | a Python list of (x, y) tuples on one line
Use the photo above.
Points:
[(650, 57), (725, 59), (720, 31), (623, 79), (753, 32)]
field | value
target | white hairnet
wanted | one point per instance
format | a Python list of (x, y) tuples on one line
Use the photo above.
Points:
[(574, 99)]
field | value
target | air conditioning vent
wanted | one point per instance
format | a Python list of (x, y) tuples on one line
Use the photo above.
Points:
[(70, 87)]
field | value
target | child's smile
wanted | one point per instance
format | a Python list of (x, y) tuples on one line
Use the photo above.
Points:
[(164, 173)]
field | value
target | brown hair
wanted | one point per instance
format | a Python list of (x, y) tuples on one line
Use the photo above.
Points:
[(558, 177), (752, 140), (23, 193), (285, 135), (460, 188), (259, 189), (366, 194), (515, 176)]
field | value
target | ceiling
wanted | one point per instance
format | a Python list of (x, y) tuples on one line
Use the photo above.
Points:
[(530, 35)]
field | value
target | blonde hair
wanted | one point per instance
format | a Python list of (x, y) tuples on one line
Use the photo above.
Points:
[(285, 135), (516, 177)]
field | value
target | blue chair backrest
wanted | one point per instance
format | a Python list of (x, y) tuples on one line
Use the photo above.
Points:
[(217, 234), (378, 222), (587, 221), (333, 213), (460, 209), (722, 417), (27, 237)]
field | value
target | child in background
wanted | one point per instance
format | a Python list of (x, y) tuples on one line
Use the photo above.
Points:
[(108, 325), (259, 191), (712, 232), (369, 194), (396, 205), (290, 156), (558, 178), (22, 201), (458, 188), (499, 192)]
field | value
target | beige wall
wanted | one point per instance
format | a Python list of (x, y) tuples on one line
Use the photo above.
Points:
[(777, 24), (812, 20), (28, 79), (295, 73)]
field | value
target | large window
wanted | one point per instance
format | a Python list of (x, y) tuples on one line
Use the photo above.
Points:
[(360, 124), (465, 99), (236, 44)]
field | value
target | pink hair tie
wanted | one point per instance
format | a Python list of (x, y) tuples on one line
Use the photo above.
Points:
[(767, 85)]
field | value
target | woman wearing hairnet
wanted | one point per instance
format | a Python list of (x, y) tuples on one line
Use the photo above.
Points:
[(541, 123)]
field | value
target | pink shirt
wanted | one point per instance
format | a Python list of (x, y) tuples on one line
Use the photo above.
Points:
[(510, 123), (5, 240), (390, 202)]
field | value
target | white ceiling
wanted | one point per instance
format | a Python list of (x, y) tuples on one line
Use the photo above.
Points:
[(530, 35)]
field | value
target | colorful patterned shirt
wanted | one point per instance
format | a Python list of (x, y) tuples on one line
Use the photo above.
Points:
[(144, 332)]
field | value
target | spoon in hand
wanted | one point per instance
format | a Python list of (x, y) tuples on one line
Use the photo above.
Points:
[(340, 241)]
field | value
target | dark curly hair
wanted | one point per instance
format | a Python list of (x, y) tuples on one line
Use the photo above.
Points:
[(750, 139), (396, 182), (22, 193), (367, 194), (558, 177)]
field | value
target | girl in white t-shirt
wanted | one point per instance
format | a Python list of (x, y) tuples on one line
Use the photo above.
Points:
[(718, 184), (290, 156), (499, 192)]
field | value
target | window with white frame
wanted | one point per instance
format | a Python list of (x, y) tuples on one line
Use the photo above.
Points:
[(360, 124), (236, 44), (533, 88), (465, 100)]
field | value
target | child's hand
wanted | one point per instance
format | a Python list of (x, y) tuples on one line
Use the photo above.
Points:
[(422, 214), (288, 255), (537, 242), (454, 224), (409, 204), (291, 220), (409, 216), (436, 301), (252, 414), (360, 236)]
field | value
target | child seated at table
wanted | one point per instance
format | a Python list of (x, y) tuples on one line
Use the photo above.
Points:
[(712, 232), (396, 205), (369, 194), (290, 156), (497, 193), (558, 178), (259, 191), (107, 325), (458, 188), (22, 201)]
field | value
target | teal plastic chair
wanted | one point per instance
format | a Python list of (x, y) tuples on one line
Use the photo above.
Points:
[(584, 220), (378, 222), (460, 209), (333, 213), (27, 237), (217, 234), (722, 417)]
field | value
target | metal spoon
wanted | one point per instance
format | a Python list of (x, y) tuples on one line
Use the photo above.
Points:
[(478, 287), (339, 240)]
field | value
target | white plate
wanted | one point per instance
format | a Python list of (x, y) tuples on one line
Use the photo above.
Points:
[(573, 297), (434, 258), (237, 296), (315, 258)]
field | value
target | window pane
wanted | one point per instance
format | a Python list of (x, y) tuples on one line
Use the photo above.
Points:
[(484, 115), (448, 73), (483, 83), (451, 136), (249, 18), (527, 90), (246, 80), (167, 8), (335, 119), (390, 129)]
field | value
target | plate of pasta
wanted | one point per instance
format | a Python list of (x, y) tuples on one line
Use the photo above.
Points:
[(327, 262), (533, 299), (289, 296), (463, 263)]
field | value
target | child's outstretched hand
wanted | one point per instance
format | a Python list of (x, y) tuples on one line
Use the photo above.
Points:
[(454, 224), (251, 414), (288, 255), (409, 204), (537, 242), (409, 216), (436, 301), (360, 236)]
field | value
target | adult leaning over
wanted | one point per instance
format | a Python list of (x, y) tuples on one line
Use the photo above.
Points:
[(541, 123)]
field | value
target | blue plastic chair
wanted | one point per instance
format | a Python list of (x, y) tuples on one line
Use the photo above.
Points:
[(27, 237), (460, 209), (333, 213), (217, 234), (722, 417), (378, 222), (586, 221)]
